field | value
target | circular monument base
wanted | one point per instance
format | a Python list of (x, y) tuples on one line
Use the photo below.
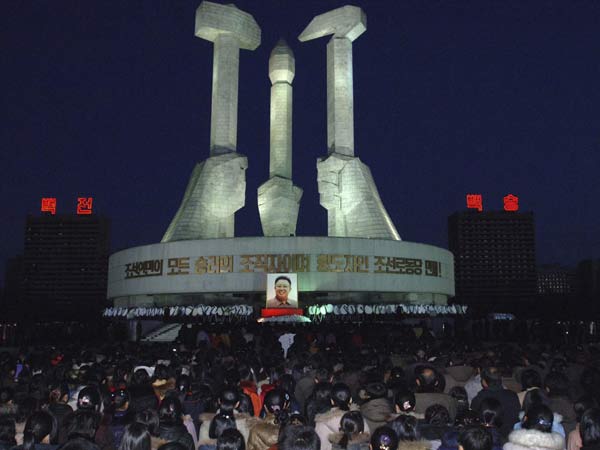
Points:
[(234, 271)]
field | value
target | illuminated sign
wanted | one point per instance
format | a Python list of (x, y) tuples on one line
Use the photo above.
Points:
[(511, 203), (84, 206), (277, 263), (475, 201), (49, 205)]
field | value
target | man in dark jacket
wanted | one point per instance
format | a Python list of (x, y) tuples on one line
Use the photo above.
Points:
[(491, 381), (429, 390)]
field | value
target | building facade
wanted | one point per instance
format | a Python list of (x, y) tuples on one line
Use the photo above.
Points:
[(494, 257), (65, 264)]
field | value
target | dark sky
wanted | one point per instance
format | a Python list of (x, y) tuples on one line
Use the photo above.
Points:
[(111, 99)]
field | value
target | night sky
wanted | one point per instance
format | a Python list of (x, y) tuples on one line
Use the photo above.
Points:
[(111, 99)]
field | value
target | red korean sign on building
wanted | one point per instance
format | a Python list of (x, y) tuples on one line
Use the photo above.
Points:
[(84, 205), (49, 205), (511, 203), (475, 201)]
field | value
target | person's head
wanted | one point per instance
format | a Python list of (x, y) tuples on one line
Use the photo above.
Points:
[(245, 405), (352, 422), (173, 445), (475, 438), (149, 417), (384, 438), (283, 286), (219, 423), (437, 415), (8, 430), (491, 412), (589, 427), (135, 437), (556, 384), (59, 393), (231, 439), (538, 417), (228, 400), (404, 401), (428, 380), (79, 443), (40, 428), (341, 396), (582, 404), (89, 399), (530, 378), (459, 393), (277, 403), (119, 400), (298, 437), (491, 377), (140, 377), (405, 427), (83, 423), (170, 411), (533, 397)]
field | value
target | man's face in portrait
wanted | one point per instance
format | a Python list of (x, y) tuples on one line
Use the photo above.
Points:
[(282, 290)]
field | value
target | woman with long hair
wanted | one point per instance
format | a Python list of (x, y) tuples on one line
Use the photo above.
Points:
[(536, 431), (136, 437), (41, 432)]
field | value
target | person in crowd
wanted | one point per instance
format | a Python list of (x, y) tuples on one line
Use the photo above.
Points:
[(264, 433), (404, 403), (580, 406), (435, 425), (491, 381), (376, 407), (59, 402), (534, 397), (406, 428), (429, 390), (589, 427), (171, 427), (135, 437), (121, 414), (231, 439), (328, 422), (7, 433), (40, 433), (351, 434), (149, 418), (140, 390), (536, 432), (298, 437), (557, 388), (530, 379), (384, 438), (319, 402), (475, 438)]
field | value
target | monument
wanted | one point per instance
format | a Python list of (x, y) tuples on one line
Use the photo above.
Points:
[(217, 187), (279, 198), (199, 267), (346, 187)]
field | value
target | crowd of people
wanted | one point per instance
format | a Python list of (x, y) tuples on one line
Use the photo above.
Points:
[(267, 388)]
